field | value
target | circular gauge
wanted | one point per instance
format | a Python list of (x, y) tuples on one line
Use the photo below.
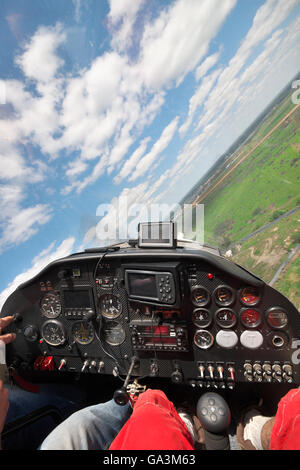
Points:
[(203, 339), (249, 296), (277, 317), (250, 317), (53, 333), (113, 333), (83, 332), (201, 317), (225, 318), (110, 306), (50, 305), (224, 296), (200, 296)]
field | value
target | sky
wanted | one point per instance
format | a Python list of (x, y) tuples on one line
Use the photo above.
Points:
[(108, 107)]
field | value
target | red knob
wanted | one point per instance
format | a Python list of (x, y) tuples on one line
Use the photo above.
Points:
[(47, 363), (231, 372), (62, 363)]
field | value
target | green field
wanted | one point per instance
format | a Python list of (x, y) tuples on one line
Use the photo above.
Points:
[(264, 253), (262, 187), (289, 282), (269, 122)]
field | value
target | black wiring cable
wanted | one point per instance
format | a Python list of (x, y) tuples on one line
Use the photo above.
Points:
[(152, 325), (98, 335)]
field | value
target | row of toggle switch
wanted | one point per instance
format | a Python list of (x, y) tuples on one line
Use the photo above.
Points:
[(92, 366), (47, 363), (218, 371), (268, 372)]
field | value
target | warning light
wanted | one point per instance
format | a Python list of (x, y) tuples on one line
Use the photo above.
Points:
[(210, 276)]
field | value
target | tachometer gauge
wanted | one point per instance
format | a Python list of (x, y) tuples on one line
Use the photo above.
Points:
[(110, 306), (250, 317), (200, 296), (53, 333), (225, 318), (113, 333), (50, 305), (277, 317), (201, 317), (203, 339), (224, 296), (249, 296), (83, 332)]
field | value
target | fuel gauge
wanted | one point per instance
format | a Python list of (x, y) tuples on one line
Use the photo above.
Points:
[(200, 296), (249, 296), (250, 317), (201, 317), (225, 318), (224, 296)]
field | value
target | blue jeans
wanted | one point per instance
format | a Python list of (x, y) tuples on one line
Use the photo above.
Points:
[(92, 428), (53, 403)]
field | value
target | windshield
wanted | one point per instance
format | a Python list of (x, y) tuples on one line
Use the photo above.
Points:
[(122, 111)]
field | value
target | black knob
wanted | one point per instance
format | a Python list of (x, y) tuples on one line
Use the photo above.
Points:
[(17, 317), (179, 332), (31, 333), (177, 377), (90, 315), (121, 397)]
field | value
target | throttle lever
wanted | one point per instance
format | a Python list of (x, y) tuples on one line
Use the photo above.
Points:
[(121, 396)]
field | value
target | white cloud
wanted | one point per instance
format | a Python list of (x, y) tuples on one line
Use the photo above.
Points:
[(39, 60), (18, 224), (132, 161), (38, 263), (122, 17), (176, 41), (76, 167), (198, 98), (23, 224), (206, 65), (160, 145)]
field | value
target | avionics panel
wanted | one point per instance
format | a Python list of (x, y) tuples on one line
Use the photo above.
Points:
[(153, 283), (77, 301), (159, 337), (150, 285)]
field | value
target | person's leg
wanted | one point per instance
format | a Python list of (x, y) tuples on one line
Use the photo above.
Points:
[(33, 415), (92, 428)]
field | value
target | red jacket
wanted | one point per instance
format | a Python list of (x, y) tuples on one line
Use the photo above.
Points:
[(286, 429), (153, 425)]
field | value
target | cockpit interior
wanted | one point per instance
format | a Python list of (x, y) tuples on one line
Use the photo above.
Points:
[(182, 318)]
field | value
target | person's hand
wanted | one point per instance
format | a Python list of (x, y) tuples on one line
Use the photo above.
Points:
[(4, 404), (4, 322)]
